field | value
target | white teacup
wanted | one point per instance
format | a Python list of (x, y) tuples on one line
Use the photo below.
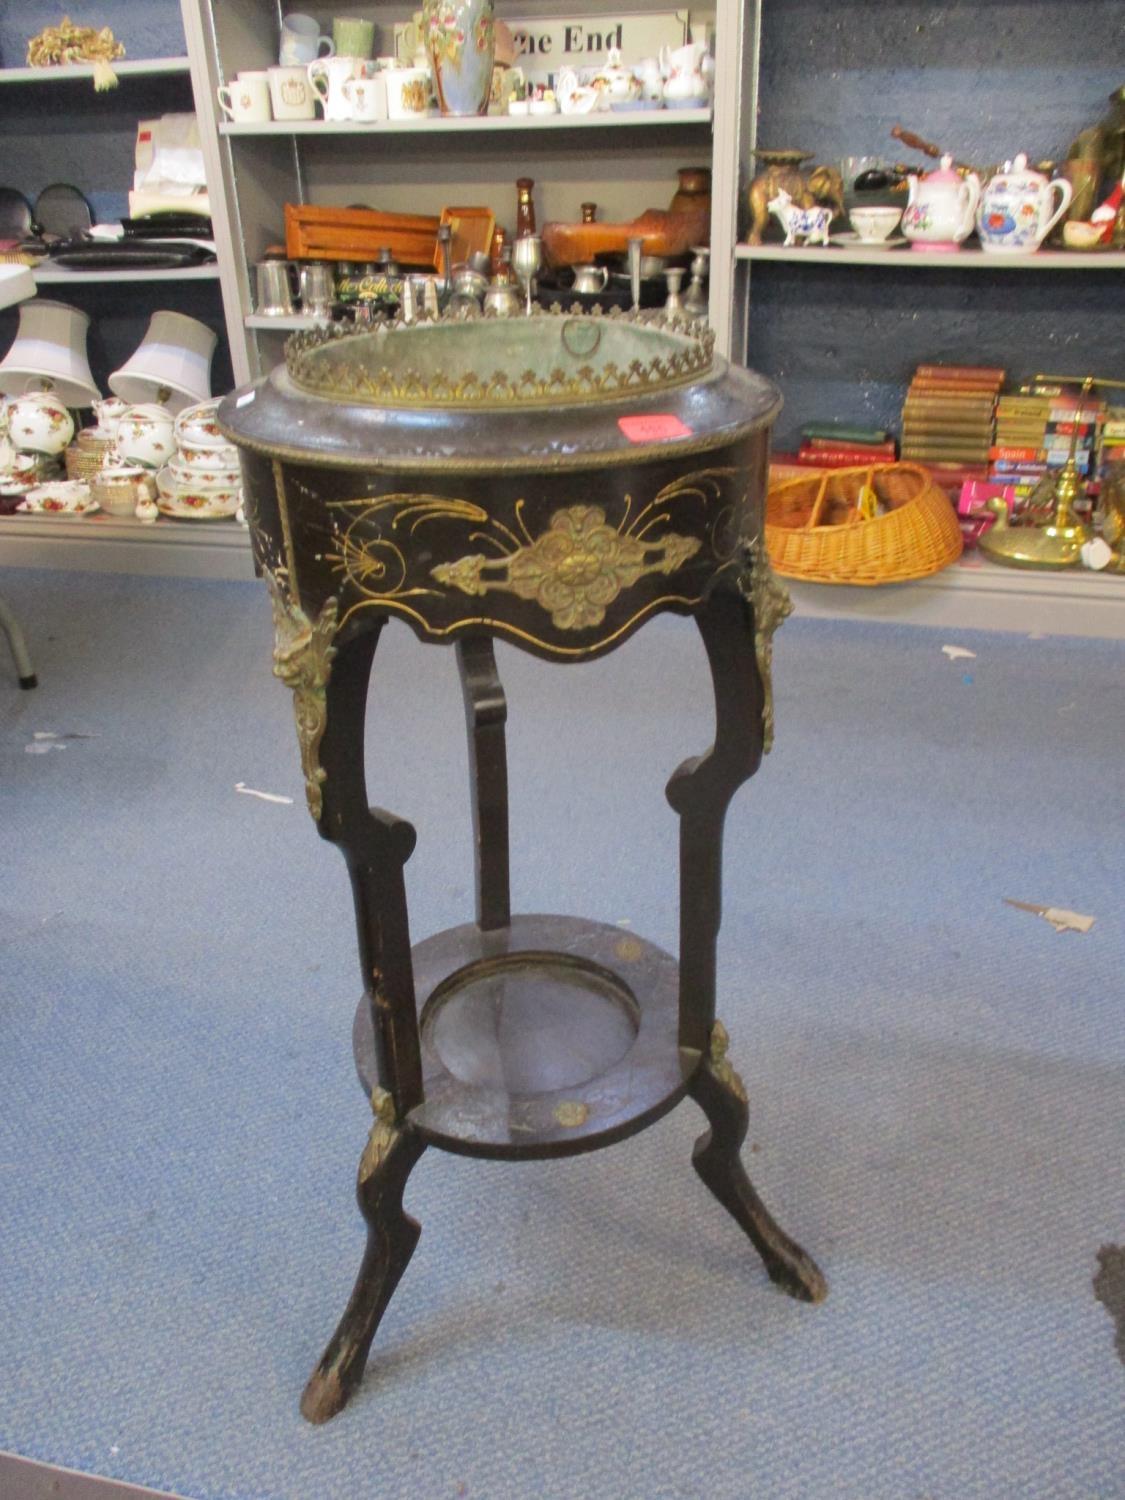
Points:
[(875, 224), (408, 93), (291, 95), (302, 42), (247, 99)]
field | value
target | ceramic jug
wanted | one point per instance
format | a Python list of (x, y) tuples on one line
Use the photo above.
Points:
[(38, 422), (941, 208), (461, 42), (685, 80), (1019, 207), (327, 76)]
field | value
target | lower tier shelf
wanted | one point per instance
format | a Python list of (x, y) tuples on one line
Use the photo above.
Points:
[(122, 544), (549, 1037)]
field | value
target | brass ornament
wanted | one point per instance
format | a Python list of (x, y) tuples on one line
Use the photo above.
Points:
[(343, 380), (770, 601), (574, 570), (722, 1068), (383, 1134), (302, 659)]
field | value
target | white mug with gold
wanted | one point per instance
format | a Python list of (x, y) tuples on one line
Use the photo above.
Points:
[(247, 98), (291, 95), (367, 97), (327, 76)]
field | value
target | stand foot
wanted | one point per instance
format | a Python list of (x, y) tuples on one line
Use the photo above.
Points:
[(392, 1234), (719, 1092)]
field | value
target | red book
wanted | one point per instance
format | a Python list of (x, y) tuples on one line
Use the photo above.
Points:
[(841, 460), (1015, 455), (843, 454)]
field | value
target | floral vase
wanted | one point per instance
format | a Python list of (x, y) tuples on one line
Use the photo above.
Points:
[(459, 39)]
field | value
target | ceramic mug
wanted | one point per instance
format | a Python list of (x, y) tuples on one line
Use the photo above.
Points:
[(302, 42), (410, 39), (353, 36), (291, 97), (408, 93), (247, 99), (367, 97), (327, 77)]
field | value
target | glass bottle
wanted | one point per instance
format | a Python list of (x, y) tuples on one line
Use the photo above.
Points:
[(525, 209)]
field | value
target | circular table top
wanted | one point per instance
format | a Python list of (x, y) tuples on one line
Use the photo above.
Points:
[(556, 391)]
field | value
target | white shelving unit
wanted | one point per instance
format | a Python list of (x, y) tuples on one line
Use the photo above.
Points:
[(473, 124), (960, 260), (120, 544), (147, 67), (57, 275)]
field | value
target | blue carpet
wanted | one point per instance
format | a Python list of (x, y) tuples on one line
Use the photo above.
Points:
[(937, 1081)]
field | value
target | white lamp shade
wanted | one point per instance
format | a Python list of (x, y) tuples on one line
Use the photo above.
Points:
[(172, 364), (50, 352)]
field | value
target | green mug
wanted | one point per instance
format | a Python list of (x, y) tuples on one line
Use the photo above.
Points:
[(353, 36)]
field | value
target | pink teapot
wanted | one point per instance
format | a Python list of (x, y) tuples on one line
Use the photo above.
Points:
[(941, 208)]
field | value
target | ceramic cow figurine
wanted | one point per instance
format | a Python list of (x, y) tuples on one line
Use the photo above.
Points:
[(807, 224)]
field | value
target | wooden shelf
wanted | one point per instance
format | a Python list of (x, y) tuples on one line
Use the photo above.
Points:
[(471, 124), (146, 67), (53, 275), (960, 260)]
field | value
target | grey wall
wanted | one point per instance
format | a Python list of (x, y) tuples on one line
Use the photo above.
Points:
[(986, 78), (65, 132)]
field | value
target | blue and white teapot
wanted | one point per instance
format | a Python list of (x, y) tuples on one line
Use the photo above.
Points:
[(1015, 210)]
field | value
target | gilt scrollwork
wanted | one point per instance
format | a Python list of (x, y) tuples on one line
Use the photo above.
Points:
[(382, 1136), (721, 1065), (302, 659), (771, 604)]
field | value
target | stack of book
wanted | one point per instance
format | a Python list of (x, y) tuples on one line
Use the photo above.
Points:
[(1034, 431), (1113, 439), (947, 421), (829, 445)]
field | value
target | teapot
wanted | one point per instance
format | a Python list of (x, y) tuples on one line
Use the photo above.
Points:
[(39, 422), (615, 84), (941, 208), (1015, 211), (684, 69)]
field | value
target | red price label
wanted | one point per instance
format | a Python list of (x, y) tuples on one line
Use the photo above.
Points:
[(656, 428)]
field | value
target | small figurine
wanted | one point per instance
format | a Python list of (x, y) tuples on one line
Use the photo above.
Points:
[(808, 224), (783, 173)]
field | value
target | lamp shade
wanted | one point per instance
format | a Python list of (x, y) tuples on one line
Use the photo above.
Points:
[(172, 363), (50, 352)]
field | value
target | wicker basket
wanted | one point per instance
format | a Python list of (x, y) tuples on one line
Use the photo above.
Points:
[(819, 527)]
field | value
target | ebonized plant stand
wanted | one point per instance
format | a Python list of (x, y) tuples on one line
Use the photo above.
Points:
[(558, 511)]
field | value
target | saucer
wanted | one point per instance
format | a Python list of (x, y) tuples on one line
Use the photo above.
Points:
[(849, 240), (168, 507), (68, 498)]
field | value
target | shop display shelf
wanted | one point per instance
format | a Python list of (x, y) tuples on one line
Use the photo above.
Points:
[(470, 124), (122, 544), (961, 260), (53, 275), (291, 323), (144, 67)]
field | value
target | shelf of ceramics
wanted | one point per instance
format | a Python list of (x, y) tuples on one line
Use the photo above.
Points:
[(284, 322), (52, 275), (437, 124), (964, 260), (145, 67)]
